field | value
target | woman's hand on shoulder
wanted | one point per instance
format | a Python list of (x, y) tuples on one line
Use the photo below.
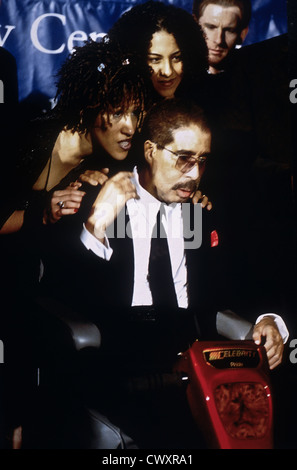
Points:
[(94, 177), (202, 199)]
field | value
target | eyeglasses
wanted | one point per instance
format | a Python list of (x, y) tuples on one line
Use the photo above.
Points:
[(185, 163)]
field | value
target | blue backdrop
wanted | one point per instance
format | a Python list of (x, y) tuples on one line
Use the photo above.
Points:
[(41, 33)]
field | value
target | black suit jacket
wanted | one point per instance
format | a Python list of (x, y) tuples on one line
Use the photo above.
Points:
[(102, 290)]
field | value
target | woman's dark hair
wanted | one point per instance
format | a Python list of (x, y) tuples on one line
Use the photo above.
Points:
[(135, 28), (98, 78)]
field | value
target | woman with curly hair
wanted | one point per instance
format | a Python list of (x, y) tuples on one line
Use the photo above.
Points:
[(101, 99), (168, 43)]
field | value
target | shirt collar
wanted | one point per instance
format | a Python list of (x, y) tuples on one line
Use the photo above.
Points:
[(144, 195)]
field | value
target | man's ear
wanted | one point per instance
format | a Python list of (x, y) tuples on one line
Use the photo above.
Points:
[(149, 148), (243, 35)]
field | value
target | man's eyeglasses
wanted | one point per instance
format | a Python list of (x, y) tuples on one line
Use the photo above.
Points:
[(185, 163)]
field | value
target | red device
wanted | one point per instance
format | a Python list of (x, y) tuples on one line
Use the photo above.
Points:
[(229, 393)]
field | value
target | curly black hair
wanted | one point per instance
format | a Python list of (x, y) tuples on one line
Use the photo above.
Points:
[(98, 79), (135, 28)]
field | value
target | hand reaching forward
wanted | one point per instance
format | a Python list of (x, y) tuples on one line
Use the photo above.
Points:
[(109, 202), (274, 344)]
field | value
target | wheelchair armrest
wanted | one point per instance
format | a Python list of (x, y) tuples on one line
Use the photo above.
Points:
[(61, 327), (232, 326)]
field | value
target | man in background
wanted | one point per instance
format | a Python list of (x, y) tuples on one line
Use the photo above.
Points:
[(225, 25)]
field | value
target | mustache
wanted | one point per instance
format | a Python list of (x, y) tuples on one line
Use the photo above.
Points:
[(189, 185)]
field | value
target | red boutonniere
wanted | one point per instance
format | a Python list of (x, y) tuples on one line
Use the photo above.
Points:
[(214, 238)]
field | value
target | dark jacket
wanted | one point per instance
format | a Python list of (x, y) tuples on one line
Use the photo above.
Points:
[(102, 290)]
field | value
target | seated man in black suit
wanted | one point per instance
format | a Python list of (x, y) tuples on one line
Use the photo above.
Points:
[(147, 309), (168, 176)]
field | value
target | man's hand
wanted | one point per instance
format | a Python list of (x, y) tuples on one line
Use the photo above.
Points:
[(109, 202), (274, 344)]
